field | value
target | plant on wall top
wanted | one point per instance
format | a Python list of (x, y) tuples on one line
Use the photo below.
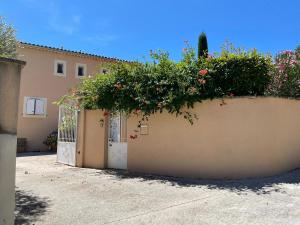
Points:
[(8, 41), (285, 77), (165, 85)]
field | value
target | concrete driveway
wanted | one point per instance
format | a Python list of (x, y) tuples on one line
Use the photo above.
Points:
[(51, 193)]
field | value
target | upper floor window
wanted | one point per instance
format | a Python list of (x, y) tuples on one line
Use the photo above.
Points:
[(60, 68), (34, 107), (80, 70)]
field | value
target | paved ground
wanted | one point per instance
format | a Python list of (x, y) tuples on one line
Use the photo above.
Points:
[(51, 193)]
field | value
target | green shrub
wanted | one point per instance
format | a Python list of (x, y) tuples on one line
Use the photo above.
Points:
[(164, 84), (241, 73), (285, 77), (51, 141)]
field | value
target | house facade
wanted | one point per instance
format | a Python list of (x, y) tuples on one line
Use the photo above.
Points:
[(48, 75)]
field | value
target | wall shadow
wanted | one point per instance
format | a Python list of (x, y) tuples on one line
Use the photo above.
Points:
[(259, 186), (29, 208), (26, 154)]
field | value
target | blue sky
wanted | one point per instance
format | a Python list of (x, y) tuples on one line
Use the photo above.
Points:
[(128, 29)]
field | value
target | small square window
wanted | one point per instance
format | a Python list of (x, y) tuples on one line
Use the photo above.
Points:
[(60, 68), (80, 70)]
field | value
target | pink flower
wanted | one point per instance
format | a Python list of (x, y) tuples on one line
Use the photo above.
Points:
[(203, 72), (201, 81)]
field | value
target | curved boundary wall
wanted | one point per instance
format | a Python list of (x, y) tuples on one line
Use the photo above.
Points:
[(237, 138)]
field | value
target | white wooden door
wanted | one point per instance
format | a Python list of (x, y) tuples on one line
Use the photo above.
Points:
[(117, 144)]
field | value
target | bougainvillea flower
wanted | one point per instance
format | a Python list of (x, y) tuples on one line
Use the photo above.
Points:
[(203, 72), (201, 81), (231, 94)]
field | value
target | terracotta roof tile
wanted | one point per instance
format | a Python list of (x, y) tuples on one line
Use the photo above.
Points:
[(72, 52)]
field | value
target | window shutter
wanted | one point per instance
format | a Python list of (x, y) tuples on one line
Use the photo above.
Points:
[(39, 107), (30, 106)]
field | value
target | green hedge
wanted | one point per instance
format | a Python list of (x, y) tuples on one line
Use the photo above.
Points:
[(242, 74)]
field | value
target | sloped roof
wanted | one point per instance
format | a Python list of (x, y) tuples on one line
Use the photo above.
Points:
[(79, 53), (11, 60)]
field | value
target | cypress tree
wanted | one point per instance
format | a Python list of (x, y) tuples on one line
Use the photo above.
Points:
[(298, 52), (202, 46)]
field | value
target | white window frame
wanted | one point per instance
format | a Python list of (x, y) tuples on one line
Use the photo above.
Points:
[(84, 70), (56, 62), (33, 115)]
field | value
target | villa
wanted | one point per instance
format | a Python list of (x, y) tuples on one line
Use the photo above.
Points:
[(48, 75)]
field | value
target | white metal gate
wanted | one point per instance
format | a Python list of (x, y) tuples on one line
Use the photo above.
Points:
[(67, 134), (117, 142)]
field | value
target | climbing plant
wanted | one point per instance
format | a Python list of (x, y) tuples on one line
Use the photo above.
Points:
[(166, 85)]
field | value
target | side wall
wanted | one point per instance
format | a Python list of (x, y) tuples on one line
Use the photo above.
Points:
[(246, 137), (92, 140), (8, 144), (9, 93)]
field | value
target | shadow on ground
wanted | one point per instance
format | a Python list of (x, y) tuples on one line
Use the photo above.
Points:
[(25, 154), (29, 208), (240, 186)]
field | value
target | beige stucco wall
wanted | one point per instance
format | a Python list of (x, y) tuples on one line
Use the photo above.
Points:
[(38, 80), (9, 95), (9, 91), (246, 137), (8, 144), (92, 139)]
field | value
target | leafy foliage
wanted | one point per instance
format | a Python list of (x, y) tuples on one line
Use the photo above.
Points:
[(239, 72), (202, 46), (164, 84), (8, 41), (285, 77), (51, 140)]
